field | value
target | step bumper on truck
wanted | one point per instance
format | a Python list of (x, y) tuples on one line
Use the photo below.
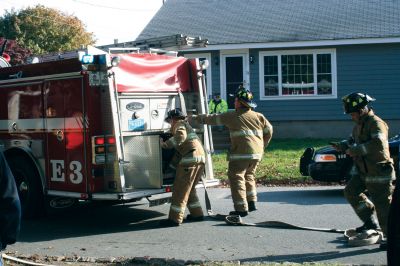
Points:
[(154, 196)]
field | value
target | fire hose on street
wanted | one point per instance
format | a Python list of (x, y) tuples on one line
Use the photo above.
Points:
[(237, 220)]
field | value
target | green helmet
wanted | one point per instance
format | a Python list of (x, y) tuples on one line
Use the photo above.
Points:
[(356, 101), (245, 96)]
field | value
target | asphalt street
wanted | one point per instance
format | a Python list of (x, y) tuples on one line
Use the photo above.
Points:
[(131, 230)]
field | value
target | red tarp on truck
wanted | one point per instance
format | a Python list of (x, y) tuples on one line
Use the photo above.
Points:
[(152, 73)]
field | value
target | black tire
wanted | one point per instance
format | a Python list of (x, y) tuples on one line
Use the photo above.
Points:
[(29, 186)]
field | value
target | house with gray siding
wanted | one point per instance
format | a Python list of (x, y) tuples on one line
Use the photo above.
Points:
[(299, 57)]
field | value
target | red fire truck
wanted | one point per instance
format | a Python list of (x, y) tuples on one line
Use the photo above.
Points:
[(88, 127)]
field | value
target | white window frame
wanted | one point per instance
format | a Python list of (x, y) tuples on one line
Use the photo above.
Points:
[(314, 52), (207, 56)]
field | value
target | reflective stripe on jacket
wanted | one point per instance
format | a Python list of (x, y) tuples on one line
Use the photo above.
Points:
[(248, 130), (187, 144)]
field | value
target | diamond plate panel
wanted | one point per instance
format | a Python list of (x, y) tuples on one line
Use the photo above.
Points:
[(144, 156)]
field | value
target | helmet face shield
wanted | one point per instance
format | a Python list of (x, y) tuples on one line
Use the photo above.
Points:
[(355, 101)]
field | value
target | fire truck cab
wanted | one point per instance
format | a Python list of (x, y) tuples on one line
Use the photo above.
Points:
[(88, 127)]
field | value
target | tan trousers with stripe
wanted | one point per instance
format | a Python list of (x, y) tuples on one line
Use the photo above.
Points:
[(380, 195), (242, 181), (184, 193)]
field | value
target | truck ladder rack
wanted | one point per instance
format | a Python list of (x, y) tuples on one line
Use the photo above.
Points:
[(172, 42)]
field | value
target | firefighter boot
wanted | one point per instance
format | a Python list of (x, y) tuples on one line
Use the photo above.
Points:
[(241, 214), (252, 206), (368, 234), (370, 223), (191, 218)]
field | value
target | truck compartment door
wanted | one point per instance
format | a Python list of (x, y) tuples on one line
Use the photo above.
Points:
[(142, 122), (66, 126)]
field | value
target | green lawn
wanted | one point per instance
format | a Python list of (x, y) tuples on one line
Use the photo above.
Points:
[(280, 162)]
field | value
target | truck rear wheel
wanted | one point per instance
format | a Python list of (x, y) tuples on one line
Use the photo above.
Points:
[(29, 186)]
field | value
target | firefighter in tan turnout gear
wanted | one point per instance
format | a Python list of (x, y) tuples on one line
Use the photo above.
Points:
[(189, 168), (373, 173), (250, 133)]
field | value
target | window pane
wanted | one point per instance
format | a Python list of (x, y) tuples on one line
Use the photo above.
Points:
[(304, 69), (310, 78), (271, 65), (324, 63), (284, 70), (290, 68), (303, 60), (297, 59), (324, 75), (297, 74), (297, 70), (271, 86), (324, 84), (271, 76)]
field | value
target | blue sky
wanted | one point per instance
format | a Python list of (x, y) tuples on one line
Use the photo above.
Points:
[(108, 20)]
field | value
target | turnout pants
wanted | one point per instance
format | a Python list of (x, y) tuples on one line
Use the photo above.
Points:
[(184, 193), (242, 182), (380, 189)]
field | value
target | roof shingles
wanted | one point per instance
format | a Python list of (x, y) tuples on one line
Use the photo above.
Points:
[(252, 21)]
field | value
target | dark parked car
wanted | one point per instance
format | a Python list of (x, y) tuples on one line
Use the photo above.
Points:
[(328, 165)]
